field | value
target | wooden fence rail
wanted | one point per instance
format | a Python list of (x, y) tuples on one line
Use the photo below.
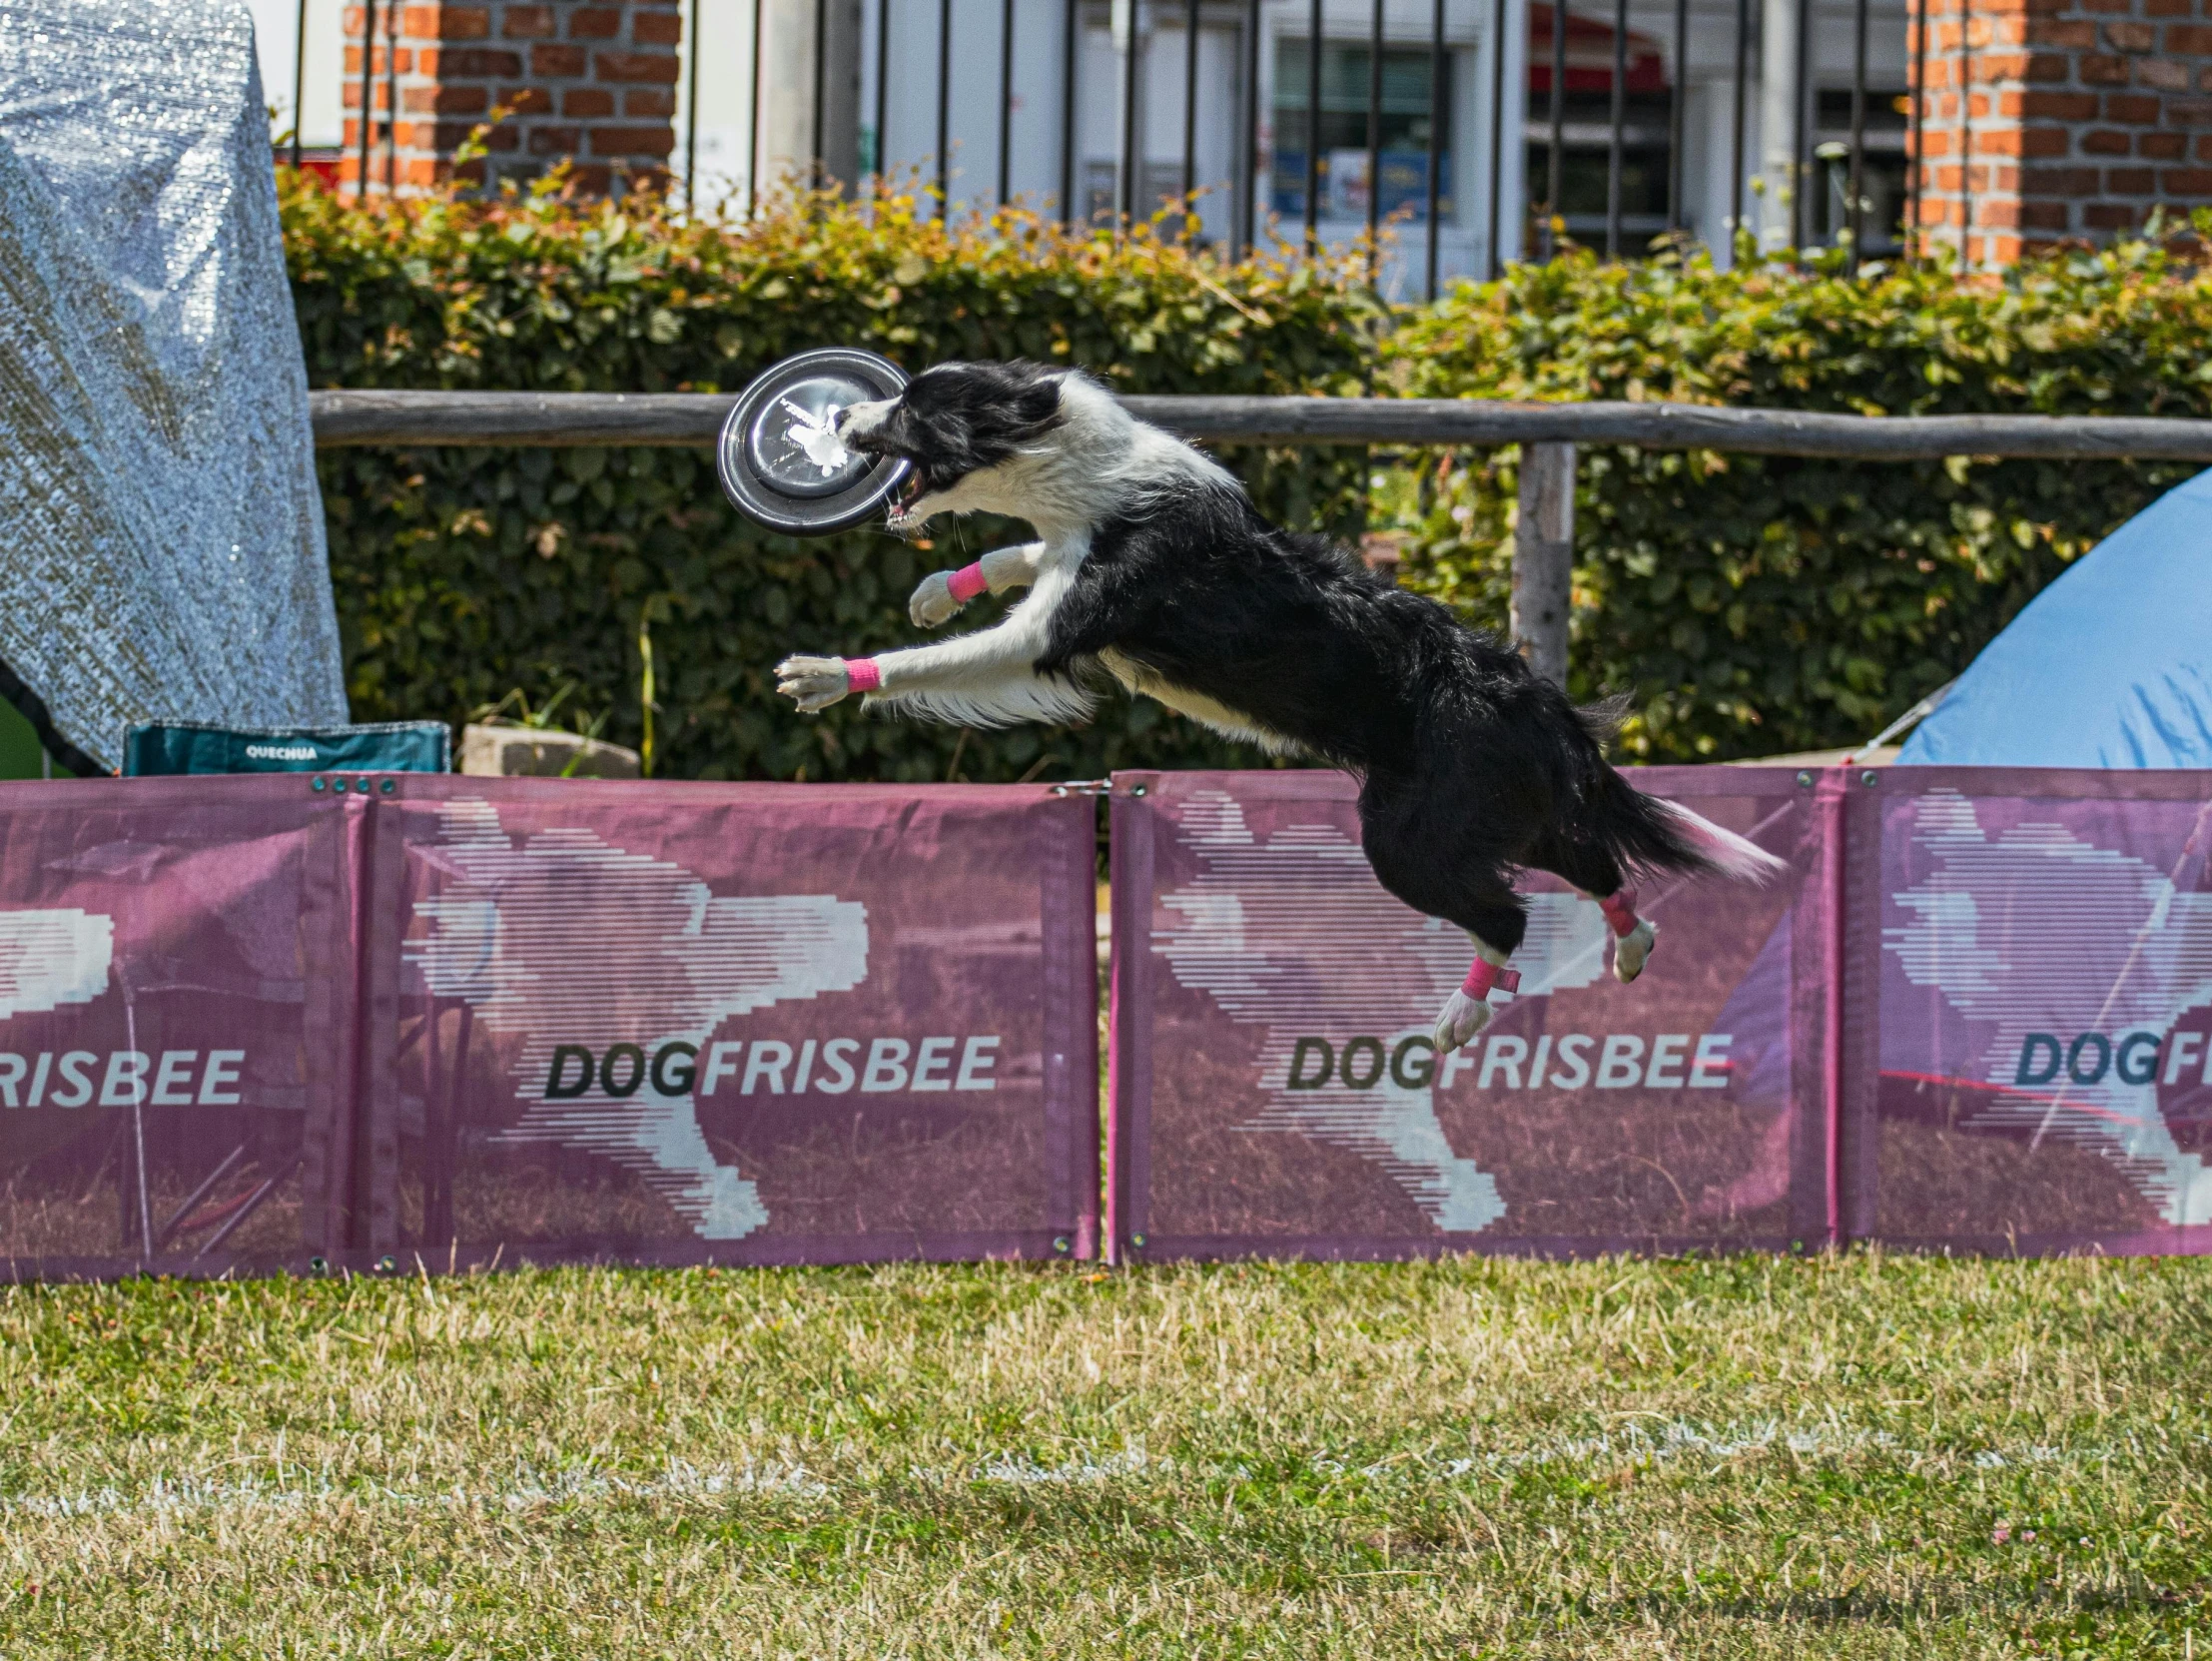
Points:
[(1543, 556), (435, 417)]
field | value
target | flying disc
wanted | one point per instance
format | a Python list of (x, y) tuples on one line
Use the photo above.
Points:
[(779, 457)]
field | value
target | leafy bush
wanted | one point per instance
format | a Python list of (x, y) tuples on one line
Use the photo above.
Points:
[(464, 574), (1763, 604)]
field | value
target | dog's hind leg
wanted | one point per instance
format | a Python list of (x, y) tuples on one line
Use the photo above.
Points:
[(1598, 875), (1435, 864), (1489, 982), (1633, 936)]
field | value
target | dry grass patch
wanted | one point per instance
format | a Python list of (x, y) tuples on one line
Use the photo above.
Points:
[(1863, 1456)]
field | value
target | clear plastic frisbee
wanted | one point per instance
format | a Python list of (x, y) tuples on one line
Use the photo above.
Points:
[(779, 457)]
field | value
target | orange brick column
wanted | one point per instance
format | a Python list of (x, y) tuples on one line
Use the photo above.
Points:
[(589, 81), (2047, 120)]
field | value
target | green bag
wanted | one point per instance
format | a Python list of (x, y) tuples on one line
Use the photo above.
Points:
[(381, 747)]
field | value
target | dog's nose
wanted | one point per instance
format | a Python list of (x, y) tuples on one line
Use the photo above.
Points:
[(869, 442)]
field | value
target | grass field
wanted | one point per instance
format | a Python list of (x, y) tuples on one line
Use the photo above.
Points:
[(1863, 1456)]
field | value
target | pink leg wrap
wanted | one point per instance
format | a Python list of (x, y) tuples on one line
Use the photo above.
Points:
[(968, 583), (862, 675), (1486, 975), (1620, 910)]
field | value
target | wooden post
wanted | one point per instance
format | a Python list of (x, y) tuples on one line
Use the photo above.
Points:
[(1544, 557)]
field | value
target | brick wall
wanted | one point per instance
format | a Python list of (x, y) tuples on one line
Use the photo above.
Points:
[(589, 80), (2045, 121)]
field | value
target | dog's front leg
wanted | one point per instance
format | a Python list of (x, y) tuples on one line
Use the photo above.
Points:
[(983, 663), (943, 593)]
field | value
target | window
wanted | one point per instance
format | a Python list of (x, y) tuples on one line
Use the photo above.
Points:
[(1343, 135), (1586, 133)]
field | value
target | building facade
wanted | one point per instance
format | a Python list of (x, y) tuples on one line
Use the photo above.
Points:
[(2039, 119)]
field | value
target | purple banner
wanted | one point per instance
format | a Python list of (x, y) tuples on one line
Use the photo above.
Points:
[(176, 973), (1274, 1090), (734, 1023), (2034, 1069), (253, 1022)]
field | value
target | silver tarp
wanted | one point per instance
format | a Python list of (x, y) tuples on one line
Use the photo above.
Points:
[(161, 533)]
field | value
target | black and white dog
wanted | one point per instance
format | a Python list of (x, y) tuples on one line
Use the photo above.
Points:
[(1153, 568)]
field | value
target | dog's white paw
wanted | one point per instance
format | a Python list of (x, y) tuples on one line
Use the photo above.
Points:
[(933, 603), (1462, 1018), (1632, 950), (813, 683)]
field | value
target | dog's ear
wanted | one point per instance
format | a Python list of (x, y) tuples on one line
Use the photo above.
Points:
[(1037, 396)]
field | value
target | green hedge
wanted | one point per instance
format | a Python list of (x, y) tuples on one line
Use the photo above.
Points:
[(1747, 604), (1762, 605), (464, 574)]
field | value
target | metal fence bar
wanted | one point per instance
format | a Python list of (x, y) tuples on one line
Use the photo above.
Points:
[(300, 81), (1436, 135), (1855, 213), (1494, 261), (690, 111), (392, 97), (1917, 141), (417, 418), (1619, 115), (1131, 149), (1190, 101), (815, 170), (882, 87), (1962, 79), (944, 108), (1554, 214), (1313, 129), (367, 87), (1071, 27), (752, 117), (1678, 111), (1005, 101), (1800, 167), (1249, 198), (1742, 91), (1374, 141)]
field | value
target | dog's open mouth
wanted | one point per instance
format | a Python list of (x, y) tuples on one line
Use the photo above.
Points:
[(911, 490)]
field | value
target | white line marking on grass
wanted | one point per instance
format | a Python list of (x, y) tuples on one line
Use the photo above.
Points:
[(681, 1481), (174, 1495)]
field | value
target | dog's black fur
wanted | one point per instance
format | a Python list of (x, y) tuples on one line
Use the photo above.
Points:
[(1471, 765), (951, 425)]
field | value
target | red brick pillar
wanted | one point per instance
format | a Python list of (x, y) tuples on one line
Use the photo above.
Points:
[(589, 81), (2048, 121)]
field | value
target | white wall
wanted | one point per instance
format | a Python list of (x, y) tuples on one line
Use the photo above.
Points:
[(725, 48), (276, 36)]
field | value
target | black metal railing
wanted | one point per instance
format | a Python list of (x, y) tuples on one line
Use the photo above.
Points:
[(1352, 120)]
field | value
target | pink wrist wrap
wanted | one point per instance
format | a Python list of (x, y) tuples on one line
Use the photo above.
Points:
[(1486, 975), (1620, 910), (862, 675), (968, 583)]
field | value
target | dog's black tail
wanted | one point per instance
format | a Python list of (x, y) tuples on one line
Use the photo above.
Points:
[(1645, 833)]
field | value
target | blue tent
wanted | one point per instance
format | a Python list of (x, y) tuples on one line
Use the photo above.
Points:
[(2110, 666)]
